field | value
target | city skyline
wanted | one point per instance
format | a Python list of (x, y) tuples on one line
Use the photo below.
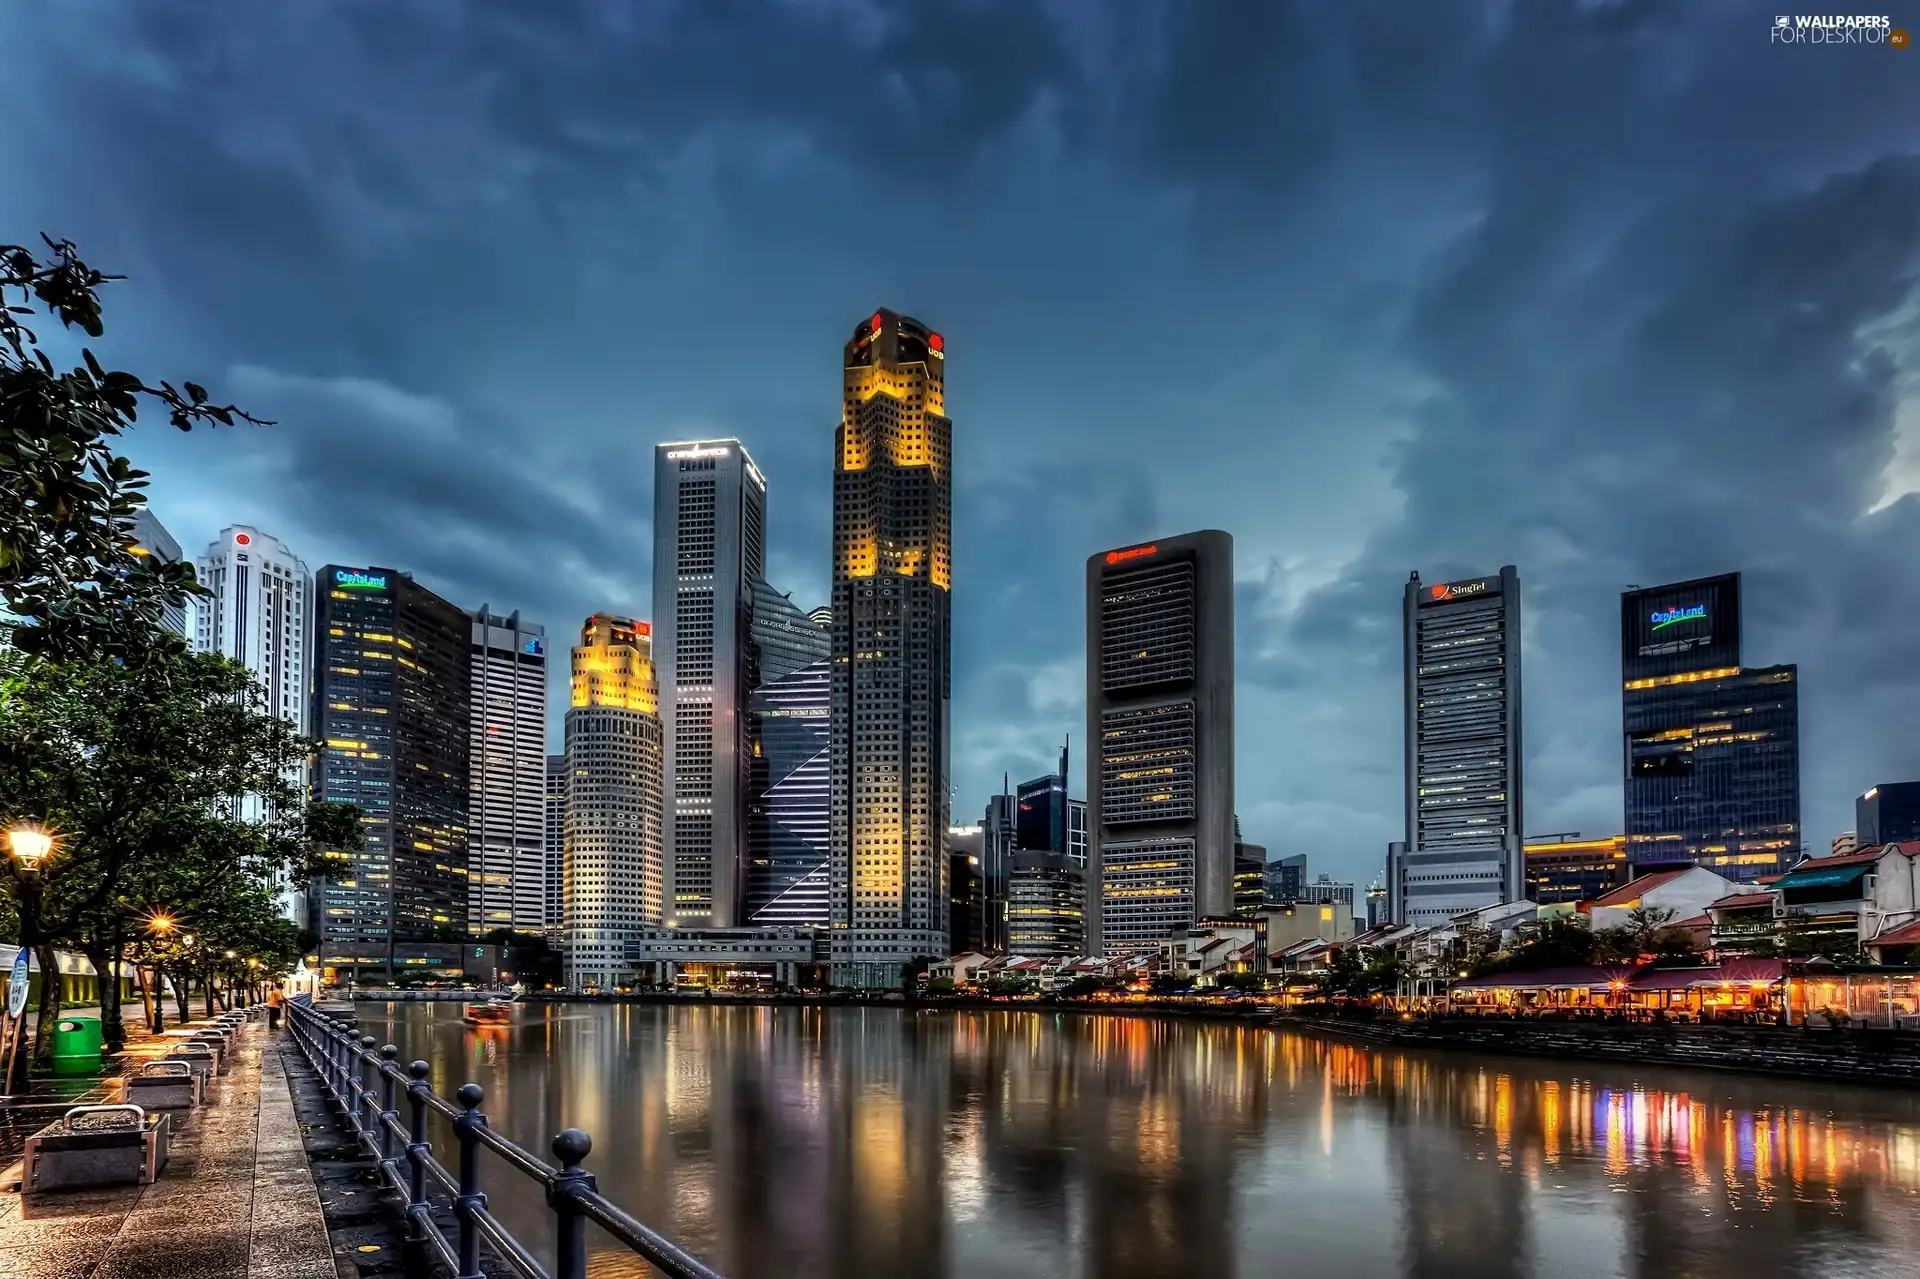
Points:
[(1350, 433)]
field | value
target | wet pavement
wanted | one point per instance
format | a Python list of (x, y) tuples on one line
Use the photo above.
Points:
[(236, 1200)]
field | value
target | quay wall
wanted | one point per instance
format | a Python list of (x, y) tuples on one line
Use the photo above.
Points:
[(1867, 1056)]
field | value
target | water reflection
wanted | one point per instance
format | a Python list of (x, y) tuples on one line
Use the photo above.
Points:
[(881, 1142)]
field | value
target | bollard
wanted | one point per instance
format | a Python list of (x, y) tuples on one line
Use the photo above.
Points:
[(387, 1113), (417, 1152), (466, 1126), (571, 1147)]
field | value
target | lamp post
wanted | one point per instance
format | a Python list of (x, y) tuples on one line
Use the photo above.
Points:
[(30, 846)]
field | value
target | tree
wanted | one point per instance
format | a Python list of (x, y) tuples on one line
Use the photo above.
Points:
[(1564, 942), (137, 763), (67, 501)]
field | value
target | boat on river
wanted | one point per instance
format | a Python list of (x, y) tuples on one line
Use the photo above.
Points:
[(494, 1012)]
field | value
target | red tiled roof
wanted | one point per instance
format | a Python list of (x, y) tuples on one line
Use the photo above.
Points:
[(1633, 890), (1734, 972), (1701, 920), (1865, 856), (1578, 977), (1904, 935), (1739, 900)]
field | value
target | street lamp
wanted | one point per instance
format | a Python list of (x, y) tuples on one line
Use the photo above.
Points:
[(31, 845)]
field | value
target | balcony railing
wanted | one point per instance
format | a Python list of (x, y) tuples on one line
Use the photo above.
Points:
[(368, 1084)]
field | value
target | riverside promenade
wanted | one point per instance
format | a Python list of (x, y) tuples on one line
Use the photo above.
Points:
[(236, 1201)]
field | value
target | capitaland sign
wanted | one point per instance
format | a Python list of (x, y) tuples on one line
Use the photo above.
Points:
[(699, 450), (1663, 618), (352, 580)]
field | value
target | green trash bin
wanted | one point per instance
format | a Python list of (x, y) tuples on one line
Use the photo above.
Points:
[(76, 1046)]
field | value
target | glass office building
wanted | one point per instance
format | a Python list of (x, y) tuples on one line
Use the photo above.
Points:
[(1887, 814), (1711, 748), (1463, 753)]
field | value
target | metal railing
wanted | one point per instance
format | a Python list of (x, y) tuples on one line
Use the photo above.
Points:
[(368, 1083)]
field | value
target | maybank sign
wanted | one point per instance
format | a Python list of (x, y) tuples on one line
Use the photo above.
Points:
[(356, 581), (1663, 618)]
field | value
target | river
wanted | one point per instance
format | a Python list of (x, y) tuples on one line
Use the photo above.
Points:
[(784, 1142)]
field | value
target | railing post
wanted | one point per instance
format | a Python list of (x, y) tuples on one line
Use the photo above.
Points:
[(466, 1126), (364, 1106), (571, 1148), (417, 1151), (387, 1113)]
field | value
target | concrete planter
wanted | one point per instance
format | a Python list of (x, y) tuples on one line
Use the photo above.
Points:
[(96, 1146), (164, 1085), (204, 1060)]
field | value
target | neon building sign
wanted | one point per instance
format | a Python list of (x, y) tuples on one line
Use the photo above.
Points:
[(1133, 553), (356, 581), (1664, 618)]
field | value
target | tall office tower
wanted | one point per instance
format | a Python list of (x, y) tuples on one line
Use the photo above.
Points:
[(392, 688), (260, 612), (1077, 830), (555, 911), (966, 915), (789, 877), (1249, 877), (507, 833), (1286, 878), (1160, 717), (999, 837), (150, 537), (1463, 759), (614, 837), (1887, 814), (1046, 906), (788, 716), (1712, 749), (892, 637), (709, 539)]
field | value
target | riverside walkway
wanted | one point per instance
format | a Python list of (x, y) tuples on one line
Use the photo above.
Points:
[(237, 1199)]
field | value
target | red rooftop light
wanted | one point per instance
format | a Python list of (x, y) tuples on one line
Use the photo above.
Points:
[(936, 342), (1135, 553), (876, 321), (241, 539)]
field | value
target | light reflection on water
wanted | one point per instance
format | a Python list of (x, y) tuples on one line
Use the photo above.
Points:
[(882, 1142)]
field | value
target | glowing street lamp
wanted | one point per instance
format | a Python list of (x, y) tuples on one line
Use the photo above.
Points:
[(30, 845)]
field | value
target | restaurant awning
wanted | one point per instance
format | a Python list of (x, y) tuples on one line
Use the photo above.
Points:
[(1822, 878)]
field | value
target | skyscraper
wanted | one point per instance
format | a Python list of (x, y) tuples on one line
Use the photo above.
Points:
[(966, 917), (789, 879), (892, 571), (1887, 814), (1462, 755), (1712, 748), (507, 833), (150, 537), (1046, 906), (1160, 720), (788, 713), (555, 926), (392, 686), (709, 520), (614, 841), (259, 611)]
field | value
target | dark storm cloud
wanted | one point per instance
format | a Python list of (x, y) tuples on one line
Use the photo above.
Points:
[(1612, 291)]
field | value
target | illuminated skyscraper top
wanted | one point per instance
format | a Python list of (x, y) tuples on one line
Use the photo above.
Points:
[(892, 568)]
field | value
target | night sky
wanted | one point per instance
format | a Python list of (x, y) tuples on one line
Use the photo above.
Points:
[(1617, 292)]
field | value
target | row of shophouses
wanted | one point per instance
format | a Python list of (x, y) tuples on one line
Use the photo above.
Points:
[(1832, 936)]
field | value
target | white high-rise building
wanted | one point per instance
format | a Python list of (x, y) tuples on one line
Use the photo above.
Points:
[(507, 788), (260, 612), (612, 873), (709, 519)]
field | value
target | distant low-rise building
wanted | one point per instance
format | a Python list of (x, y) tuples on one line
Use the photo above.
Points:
[(1567, 868)]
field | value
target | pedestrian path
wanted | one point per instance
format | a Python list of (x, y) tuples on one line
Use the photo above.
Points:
[(236, 1201)]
